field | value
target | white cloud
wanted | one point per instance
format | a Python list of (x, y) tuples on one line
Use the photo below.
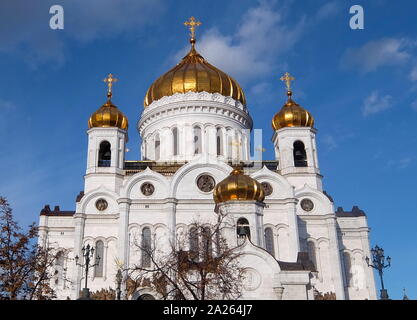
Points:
[(328, 10), (87, 20), (330, 142), (402, 163), (6, 105), (376, 103), (405, 162), (414, 105), (413, 73), (24, 25), (375, 54), (261, 37)]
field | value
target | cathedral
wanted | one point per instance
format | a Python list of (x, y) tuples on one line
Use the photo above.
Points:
[(196, 163)]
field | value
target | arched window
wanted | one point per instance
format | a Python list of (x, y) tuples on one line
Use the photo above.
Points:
[(219, 142), (312, 253), (207, 239), (99, 252), (146, 247), (59, 267), (197, 140), (269, 241), (175, 141), (243, 228), (104, 154), (60, 259), (194, 243), (143, 150), (348, 268), (300, 156), (157, 147)]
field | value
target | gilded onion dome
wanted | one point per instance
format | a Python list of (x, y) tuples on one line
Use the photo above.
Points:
[(291, 114), (194, 74), (108, 115), (238, 186)]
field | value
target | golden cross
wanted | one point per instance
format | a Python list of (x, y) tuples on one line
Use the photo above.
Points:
[(110, 80), (260, 148), (287, 78), (192, 24)]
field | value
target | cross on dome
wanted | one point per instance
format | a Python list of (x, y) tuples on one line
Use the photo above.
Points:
[(110, 80), (192, 23), (287, 78)]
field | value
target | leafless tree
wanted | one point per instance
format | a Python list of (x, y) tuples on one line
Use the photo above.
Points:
[(26, 270), (104, 294), (199, 266)]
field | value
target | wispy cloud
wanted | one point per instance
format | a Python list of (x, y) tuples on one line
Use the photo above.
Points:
[(376, 103), (6, 105), (252, 50), (330, 142), (413, 73), (402, 163), (24, 25), (378, 53), (92, 19), (328, 10), (414, 105)]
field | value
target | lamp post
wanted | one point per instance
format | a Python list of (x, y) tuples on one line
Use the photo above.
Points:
[(378, 263), (88, 253), (119, 278)]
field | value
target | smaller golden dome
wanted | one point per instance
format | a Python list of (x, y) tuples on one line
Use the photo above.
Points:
[(238, 186), (108, 115), (292, 115)]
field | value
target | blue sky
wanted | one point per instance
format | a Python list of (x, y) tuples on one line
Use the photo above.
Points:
[(360, 85)]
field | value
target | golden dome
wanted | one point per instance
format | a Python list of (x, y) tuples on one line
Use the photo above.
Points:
[(194, 74), (292, 115), (238, 186), (108, 115)]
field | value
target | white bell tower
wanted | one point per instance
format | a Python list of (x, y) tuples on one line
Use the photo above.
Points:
[(295, 143), (107, 138)]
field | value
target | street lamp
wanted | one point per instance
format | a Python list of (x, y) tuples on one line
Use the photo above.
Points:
[(378, 263), (88, 253), (119, 278)]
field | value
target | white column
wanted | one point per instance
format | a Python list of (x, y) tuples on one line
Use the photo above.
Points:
[(165, 146), (79, 225), (370, 279), (189, 139), (123, 236), (211, 141), (334, 257), (260, 225), (105, 252), (171, 216), (293, 237), (224, 142)]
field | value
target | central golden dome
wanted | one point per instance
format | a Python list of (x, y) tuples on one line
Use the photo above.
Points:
[(194, 74)]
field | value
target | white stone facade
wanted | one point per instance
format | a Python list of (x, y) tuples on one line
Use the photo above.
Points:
[(280, 228)]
